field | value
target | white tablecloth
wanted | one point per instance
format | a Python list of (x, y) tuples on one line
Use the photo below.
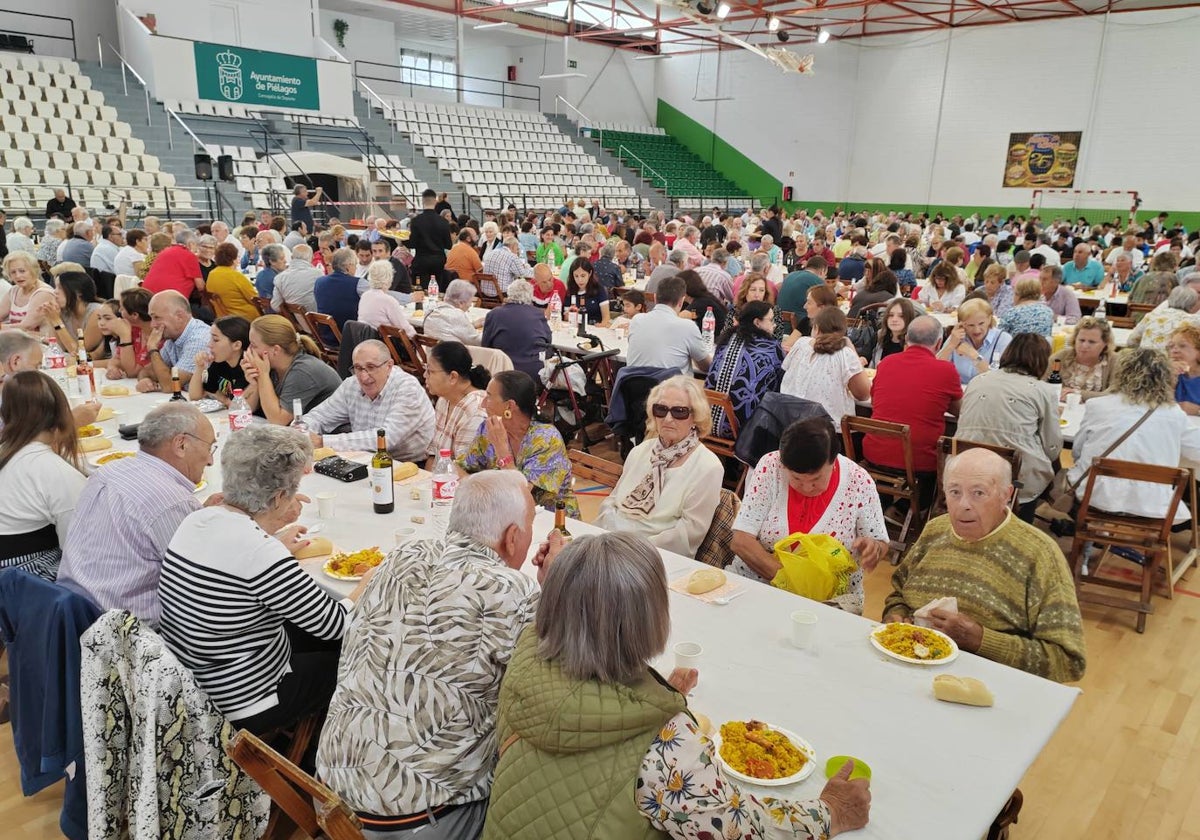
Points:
[(941, 771)]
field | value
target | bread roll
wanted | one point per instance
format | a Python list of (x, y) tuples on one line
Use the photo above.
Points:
[(105, 413), (322, 452), (95, 444), (705, 580), (114, 391), (403, 470), (317, 547), (966, 690), (703, 723)]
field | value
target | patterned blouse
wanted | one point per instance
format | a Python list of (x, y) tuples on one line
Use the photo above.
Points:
[(542, 459), (455, 427), (745, 372), (683, 791), (1028, 318)]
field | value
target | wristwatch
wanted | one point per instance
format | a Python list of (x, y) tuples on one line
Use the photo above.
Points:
[(504, 463)]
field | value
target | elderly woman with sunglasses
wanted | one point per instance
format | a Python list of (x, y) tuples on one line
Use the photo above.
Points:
[(671, 483)]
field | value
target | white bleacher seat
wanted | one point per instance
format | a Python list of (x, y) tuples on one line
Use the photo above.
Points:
[(92, 197)]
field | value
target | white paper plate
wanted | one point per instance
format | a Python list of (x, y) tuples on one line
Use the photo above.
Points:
[(800, 776), (208, 406), (913, 660)]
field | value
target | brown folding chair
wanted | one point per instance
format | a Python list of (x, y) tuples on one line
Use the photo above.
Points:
[(1151, 537), (722, 447), (298, 315), (894, 483), (262, 304), (490, 295), (313, 807), (651, 299), (948, 446), (330, 342), (409, 355), (591, 468)]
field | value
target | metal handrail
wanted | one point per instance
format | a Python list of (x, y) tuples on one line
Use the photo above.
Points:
[(125, 65), (387, 106), (256, 116), (586, 118), (71, 38), (505, 86), (645, 166), (171, 138)]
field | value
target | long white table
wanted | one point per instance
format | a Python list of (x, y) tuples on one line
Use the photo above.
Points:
[(941, 771)]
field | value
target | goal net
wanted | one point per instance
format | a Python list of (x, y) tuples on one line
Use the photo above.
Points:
[(1096, 206)]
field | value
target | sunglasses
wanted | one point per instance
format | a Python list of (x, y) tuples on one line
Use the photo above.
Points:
[(679, 412)]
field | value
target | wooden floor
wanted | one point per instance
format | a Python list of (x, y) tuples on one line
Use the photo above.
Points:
[(1125, 764)]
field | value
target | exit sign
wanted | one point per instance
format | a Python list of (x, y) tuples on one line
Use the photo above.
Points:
[(572, 64)]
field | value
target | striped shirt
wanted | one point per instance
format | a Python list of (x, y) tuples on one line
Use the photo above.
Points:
[(125, 517), (457, 426), (227, 587), (402, 409), (505, 266)]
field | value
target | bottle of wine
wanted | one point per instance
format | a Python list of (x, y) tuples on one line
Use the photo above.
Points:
[(560, 519), (383, 491), (176, 392), (1055, 380)]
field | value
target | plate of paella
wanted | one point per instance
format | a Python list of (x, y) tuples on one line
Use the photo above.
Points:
[(354, 564), (763, 754), (914, 645)]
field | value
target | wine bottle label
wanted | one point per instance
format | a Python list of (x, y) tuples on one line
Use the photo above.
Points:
[(382, 490)]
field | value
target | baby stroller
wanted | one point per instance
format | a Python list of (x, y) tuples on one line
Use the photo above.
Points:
[(576, 394)]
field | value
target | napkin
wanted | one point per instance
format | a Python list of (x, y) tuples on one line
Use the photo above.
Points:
[(921, 616)]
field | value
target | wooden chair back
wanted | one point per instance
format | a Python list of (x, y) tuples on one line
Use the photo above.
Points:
[(594, 469), (262, 304), (409, 355), (896, 483), (298, 315), (490, 295), (948, 446), (651, 300), (316, 809), (1149, 536), (1143, 308), (327, 335), (722, 447)]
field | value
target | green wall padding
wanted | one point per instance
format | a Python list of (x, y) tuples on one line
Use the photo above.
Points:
[(1190, 220), (755, 181)]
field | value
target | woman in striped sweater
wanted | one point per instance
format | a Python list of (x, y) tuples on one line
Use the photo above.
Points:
[(256, 631)]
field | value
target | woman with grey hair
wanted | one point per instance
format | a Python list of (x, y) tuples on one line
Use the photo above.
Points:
[(20, 239), (581, 704), (448, 319), (1154, 330), (53, 236), (519, 329), (377, 307), (260, 636)]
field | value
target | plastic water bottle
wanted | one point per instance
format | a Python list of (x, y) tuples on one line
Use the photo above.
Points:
[(550, 259), (555, 312), (239, 412), (297, 416), (445, 483), (1100, 310), (708, 329), (54, 364), (432, 291)]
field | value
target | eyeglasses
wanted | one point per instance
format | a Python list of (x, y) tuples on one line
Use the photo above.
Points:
[(212, 447), (368, 368), (679, 412)]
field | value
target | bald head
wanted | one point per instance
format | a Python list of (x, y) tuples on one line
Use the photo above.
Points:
[(924, 331), (978, 485), (170, 312)]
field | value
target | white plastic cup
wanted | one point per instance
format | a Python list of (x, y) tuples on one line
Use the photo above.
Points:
[(687, 655), (1074, 401), (403, 536), (804, 625), (325, 505)]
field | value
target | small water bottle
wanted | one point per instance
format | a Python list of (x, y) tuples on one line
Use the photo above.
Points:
[(445, 483), (239, 412), (708, 329), (297, 416), (555, 312), (432, 290), (54, 364)]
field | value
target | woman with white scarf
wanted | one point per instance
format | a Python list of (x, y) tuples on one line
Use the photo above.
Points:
[(671, 483)]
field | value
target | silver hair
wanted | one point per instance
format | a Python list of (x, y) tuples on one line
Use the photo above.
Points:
[(1192, 279), (80, 228), (604, 612), (677, 257), (166, 422), (1000, 469), (381, 350), (608, 251), (218, 224), (207, 239), (924, 331), (343, 260), (300, 252), (689, 230), (519, 291), (511, 242), (1183, 297), (262, 462), (459, 291), (184, 237), (53, 226), (22, 223), (720, 256), (13, 342), (487, 503), (380, 274), (270, 253), (760, 261)]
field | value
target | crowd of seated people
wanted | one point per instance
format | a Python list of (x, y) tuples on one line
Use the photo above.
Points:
[(914, 319)]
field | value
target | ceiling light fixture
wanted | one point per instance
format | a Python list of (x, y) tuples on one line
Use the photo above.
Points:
[(495, 25), (723, 10), (822, 36), (653, 57), (783, 37), (772, 23), (704, 8)]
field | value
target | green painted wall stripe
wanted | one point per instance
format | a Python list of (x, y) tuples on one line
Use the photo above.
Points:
[(748, 175), (1190, 220)]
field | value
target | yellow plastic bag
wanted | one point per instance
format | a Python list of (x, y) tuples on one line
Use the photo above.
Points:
[(816, 566)]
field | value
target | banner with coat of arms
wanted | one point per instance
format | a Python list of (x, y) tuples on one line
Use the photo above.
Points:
[(1044, 159), (256, 77)]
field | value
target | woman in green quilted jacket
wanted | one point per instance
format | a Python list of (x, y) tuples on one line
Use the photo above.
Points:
[(595, 745)]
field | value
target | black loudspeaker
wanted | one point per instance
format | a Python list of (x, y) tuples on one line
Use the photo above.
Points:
[(225, 167), (203, 167)]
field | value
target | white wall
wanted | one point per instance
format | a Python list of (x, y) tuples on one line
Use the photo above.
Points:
[(273, 25), (865, 127), (367, 39), (91, 17), (616, 88)]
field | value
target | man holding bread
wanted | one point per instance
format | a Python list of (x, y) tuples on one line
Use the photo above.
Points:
[(1016, 600), (378, 396)]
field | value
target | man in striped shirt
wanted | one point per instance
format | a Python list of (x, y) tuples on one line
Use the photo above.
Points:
[(130, 508), (378, 396), (505, 265)]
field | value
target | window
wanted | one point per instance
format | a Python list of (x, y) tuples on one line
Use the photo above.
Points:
[(426, 70)]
